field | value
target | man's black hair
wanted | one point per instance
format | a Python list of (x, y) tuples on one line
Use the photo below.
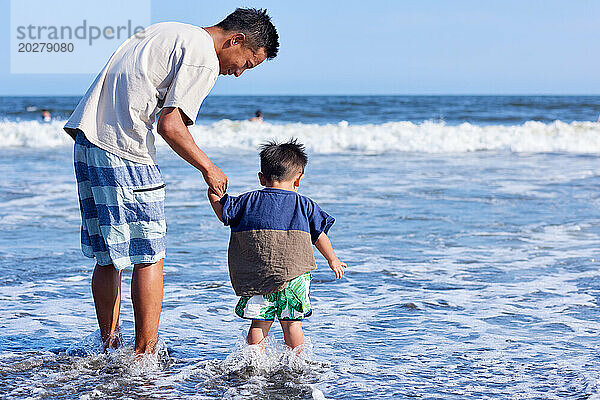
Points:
[(258, 114), (256, 25), (280, 161)]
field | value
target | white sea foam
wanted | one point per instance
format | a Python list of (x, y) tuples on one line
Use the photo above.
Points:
[(33, 134), (427, 137)]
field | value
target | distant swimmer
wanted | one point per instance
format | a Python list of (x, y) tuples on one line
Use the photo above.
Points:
[(46, 116), (258, 116)]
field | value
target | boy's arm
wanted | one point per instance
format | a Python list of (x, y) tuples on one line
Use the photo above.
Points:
[(217, 207), (323, 244)]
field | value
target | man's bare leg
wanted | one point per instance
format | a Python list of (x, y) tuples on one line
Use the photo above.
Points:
[(258, 331), (147, 295), (106, 289), (292, 333)]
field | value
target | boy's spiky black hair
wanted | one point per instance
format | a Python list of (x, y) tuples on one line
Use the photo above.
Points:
[(280, 161)]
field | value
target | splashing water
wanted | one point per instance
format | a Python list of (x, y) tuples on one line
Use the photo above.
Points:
[(257, 371), (85, 371)]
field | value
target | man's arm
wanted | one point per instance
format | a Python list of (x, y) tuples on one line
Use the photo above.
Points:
[(171, 127), (217, 207), (323, 244)]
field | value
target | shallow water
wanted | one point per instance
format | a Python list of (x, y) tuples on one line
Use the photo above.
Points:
[(470, 275)]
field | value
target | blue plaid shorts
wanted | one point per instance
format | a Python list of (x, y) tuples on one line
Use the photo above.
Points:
[(122, 207)]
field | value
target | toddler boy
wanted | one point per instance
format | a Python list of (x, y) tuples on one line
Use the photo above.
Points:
[(270, 249)]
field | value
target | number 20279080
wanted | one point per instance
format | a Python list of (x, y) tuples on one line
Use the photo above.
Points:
[(43, 47)]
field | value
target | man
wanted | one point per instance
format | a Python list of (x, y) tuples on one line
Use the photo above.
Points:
[(169, 68)]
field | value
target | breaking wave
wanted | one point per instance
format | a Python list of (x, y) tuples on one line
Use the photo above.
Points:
[(425, 137)]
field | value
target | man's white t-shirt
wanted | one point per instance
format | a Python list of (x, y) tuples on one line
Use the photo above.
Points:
[(168, 64)]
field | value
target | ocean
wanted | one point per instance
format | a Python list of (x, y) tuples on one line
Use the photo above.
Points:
[(470, 226)]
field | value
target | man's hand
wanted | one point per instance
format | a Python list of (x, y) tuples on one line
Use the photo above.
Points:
[(338, 267), (216, 180)]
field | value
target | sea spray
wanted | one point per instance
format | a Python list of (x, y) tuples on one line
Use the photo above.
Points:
[(121, 358), (258, 370)]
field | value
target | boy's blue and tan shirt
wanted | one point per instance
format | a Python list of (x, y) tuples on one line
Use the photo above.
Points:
[(272, 233)]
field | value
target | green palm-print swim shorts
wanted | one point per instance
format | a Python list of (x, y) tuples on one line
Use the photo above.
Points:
[(289, 304)]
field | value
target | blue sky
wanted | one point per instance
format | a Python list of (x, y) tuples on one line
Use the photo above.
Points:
[(389, 47)]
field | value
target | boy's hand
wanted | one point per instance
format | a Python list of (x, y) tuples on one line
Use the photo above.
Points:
[(214, 198), (324, 246), (338, 267)]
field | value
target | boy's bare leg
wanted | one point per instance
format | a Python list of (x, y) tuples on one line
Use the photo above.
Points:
[(146, 295), (258, 331), (106, 289), (292, 333)]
